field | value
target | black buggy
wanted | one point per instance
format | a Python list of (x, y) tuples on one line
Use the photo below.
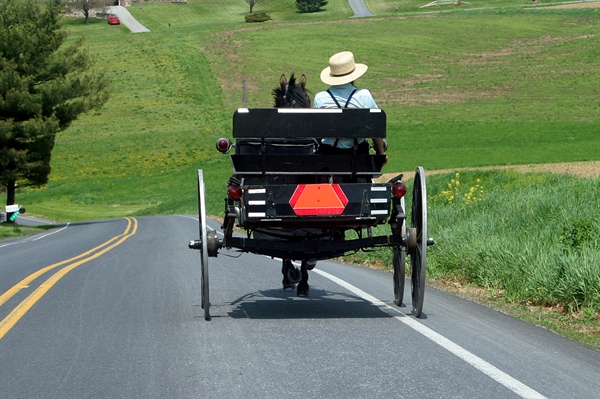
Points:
[(294, 203)]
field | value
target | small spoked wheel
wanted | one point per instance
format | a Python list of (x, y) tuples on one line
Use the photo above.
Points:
[(399, 264), (418, 256), (204, 241)]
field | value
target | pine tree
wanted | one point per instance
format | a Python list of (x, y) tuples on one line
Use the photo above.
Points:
[(45, 84)]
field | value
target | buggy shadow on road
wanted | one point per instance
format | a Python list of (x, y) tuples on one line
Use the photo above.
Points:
[(322, 304)]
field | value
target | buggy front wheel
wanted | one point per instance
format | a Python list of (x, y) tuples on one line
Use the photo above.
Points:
[(399, 261)]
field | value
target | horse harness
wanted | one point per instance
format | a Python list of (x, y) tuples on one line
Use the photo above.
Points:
[(293, 102)]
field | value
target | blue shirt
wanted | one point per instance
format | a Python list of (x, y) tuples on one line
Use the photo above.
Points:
[(361, 99)]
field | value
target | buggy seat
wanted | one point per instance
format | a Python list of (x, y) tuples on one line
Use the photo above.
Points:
[(280, 141)]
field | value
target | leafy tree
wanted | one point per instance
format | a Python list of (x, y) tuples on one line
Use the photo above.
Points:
[(252, 3), (45, 84), (310, 5), (88, 7)]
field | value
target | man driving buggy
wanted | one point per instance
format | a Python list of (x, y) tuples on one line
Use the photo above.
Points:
[(341, 74)]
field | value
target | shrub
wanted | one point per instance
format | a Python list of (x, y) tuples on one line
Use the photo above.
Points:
[(258, 17), (310, 5)]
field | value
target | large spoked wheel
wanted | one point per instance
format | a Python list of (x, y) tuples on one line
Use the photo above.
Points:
[(418, 258), (399, 263), (204, 241)]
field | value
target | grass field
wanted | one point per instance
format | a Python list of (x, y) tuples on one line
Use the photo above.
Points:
[(460, 89), (496, 83)]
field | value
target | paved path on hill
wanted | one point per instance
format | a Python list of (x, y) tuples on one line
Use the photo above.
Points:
[(127, 19), (360, 9)]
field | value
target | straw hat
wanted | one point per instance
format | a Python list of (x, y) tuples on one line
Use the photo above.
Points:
[(342, 69)]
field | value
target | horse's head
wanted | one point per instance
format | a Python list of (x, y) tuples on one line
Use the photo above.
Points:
[(290, 94)]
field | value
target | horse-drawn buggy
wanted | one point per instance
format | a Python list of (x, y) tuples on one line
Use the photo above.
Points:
[(295, 203)]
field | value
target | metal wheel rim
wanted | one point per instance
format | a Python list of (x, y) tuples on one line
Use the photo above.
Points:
[(418, 259), (203, 240)]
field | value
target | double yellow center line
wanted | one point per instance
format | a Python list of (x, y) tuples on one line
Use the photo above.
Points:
[(19, 311)]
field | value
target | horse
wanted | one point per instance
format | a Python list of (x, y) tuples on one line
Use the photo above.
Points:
[(293, 95)]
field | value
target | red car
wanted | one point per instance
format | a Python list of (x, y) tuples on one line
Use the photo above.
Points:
[(113, 20)]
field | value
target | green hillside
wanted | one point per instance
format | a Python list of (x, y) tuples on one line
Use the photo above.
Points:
[(461, 88)]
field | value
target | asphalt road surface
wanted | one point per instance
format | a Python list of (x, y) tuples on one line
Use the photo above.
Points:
[(110, 309)]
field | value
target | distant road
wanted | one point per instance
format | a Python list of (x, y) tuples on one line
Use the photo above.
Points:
[(360, 9), (127, 19), (28, 221)]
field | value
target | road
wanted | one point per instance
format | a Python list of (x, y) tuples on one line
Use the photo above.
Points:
[(360, 9), (115, 314)]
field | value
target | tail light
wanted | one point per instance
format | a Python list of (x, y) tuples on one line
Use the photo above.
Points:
[(224, 145), (234, 192), (399, 189)]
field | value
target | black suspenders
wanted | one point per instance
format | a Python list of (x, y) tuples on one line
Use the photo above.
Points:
[(339, 106), (336, 101)]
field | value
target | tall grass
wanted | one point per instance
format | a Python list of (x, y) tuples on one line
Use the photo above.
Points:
[(536, 237), (532, 239)]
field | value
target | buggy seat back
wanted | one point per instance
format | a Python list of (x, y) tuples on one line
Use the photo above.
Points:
[(275, 141)]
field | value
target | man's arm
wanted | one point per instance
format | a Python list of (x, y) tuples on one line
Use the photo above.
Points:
[(380, 147)]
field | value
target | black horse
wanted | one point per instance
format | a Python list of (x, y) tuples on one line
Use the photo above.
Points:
[(291, 95), (294, 95)]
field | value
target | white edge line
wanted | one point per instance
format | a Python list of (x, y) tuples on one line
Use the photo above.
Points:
[(54, 232), (198, 220), (34, 239), (491, 371), (11, 243)]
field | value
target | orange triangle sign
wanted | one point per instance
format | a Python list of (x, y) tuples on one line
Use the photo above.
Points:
[(318, 199)]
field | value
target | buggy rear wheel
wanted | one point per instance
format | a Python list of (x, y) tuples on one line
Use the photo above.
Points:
[(418, 256), (204, 243)]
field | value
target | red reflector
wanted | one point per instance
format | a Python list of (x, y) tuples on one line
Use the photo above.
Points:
[(399, 189), (234, 192), (223, 145), (318, 199)]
